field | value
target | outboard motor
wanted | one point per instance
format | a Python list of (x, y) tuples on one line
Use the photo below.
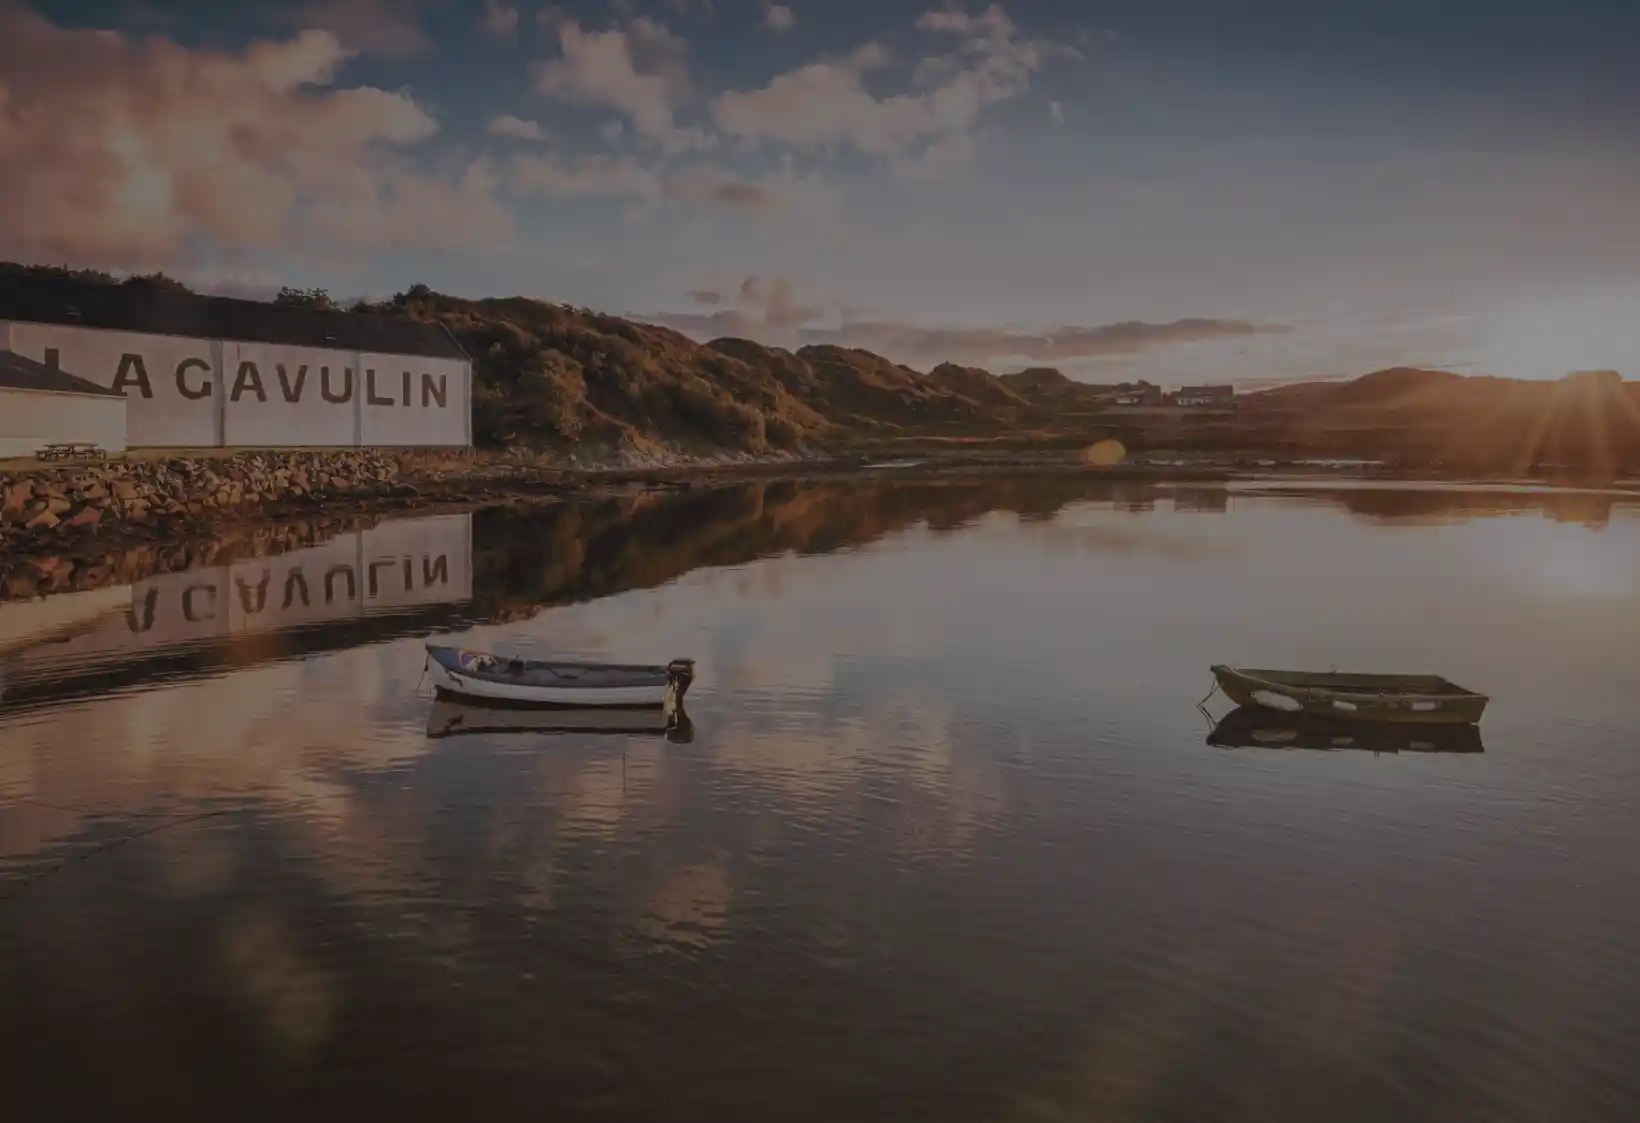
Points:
[(682, 673)]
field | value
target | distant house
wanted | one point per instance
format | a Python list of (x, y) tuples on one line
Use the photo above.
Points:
[(1138, 394), (1205, 396)]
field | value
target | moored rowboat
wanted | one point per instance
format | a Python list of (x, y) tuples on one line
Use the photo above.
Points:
[(1420, 699), (494, 679)]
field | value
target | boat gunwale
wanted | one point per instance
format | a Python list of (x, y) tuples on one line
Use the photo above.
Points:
[(656, 674), (1257, 678)]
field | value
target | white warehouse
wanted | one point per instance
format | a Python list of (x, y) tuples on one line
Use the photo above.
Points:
[(215, 372)]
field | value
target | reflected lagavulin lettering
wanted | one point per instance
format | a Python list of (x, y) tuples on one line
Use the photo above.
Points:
[(399, 566)]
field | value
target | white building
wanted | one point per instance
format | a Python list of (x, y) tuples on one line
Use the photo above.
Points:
[(205, 371), (41, 406)]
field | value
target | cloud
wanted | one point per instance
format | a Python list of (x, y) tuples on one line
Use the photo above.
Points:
[(459, 212), (388, 28), (642, 72), (499, 19), (914, 344), (703, 185), (589, 177), (1056, 112), (827, 104), (611, 177), (706, 8), (767, 309), (128, 154), (779, 17), (776, 299), (516, 127)]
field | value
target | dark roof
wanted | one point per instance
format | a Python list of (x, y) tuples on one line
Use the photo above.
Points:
[(31, 298), (20, 373)]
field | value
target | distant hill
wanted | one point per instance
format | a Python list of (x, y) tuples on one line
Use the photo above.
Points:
[(1037, 381), (1587, 420)]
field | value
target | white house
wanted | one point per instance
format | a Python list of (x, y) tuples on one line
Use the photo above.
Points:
[(41, 406)]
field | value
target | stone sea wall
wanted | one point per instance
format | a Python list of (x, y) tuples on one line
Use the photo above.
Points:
[(38, 503)]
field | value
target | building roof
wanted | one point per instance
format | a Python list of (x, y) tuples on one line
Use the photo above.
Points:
[(31, 298), (20, 373)]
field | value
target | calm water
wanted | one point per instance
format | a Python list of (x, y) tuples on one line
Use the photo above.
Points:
[(948, 842)]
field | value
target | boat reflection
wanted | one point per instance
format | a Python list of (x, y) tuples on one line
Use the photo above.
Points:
[(449, 718), (1254, 728)]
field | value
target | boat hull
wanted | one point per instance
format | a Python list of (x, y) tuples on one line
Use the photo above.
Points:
[(1354, 698), (463, 676)]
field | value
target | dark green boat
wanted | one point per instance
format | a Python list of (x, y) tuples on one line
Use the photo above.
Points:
[(1414, 699)]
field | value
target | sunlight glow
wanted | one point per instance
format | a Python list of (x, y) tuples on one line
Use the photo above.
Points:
[(1594, 329)]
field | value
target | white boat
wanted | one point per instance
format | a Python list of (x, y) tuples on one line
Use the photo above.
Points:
[(451, 718), (496, 679)]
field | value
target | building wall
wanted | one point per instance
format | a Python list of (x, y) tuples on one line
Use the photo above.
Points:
[(277, 393), (202, 393), (413, 401), (30, 419)]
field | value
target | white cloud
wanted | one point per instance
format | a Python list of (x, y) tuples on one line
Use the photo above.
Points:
[(388, 28), (642, 72), (611, 177), (826, 104), (779, 17), (500, 19), (590, 177), (1056, 112), (515, 127), (124, 152)]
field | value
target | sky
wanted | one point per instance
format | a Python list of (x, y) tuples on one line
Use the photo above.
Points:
[(1179, 190)]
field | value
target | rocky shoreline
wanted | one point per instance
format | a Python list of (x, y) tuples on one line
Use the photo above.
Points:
[(101, 505), (69, 528)]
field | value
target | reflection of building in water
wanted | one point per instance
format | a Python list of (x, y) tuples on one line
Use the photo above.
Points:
[(395, 568), (1133, 498), (25, 623), (1212, 500)]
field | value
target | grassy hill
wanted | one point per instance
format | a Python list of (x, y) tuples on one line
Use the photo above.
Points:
[(547, 374)]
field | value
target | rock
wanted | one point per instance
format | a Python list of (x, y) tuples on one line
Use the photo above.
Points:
[(21, 585), (44, 519), (14, 499), (86, 516), (57, 505), (126, 490)]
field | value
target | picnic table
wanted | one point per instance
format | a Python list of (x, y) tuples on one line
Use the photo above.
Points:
[(72, 450)]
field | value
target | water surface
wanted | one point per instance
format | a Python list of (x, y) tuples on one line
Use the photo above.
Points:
[(948, 842)]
